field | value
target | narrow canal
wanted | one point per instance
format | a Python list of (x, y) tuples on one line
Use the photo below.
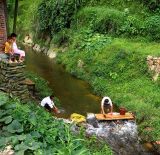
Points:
[(74, 94)]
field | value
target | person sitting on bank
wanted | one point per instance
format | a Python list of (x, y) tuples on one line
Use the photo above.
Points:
[(106, 105), (8, 49), (21, 53), (48, 103)]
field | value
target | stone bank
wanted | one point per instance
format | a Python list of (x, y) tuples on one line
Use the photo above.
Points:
[(12, 80)]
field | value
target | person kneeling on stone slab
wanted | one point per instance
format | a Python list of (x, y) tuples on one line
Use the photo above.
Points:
[(106, 105), (48, 103)]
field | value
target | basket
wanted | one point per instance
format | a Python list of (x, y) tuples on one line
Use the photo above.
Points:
[(122, 111)]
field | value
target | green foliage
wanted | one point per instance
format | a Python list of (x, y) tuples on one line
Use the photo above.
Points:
[(41, 85), (152, 27), (119, 70), (132, 26), (90, 42), (14, 127), (101, 19), (61, 38), (153, 5), (55, 15), (117, 18), (27, 16), (113, 22), (34, 130)]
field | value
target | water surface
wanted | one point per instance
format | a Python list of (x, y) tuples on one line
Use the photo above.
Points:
[(74, 94)]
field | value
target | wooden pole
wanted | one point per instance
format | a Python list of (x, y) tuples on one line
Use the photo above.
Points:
[(6, 17), (15, 16)]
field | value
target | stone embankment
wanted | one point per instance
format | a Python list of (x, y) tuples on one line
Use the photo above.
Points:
[(12, 79), (48, 49)]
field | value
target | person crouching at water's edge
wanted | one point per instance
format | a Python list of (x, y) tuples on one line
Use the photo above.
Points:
[(106, 105), (48, 103)]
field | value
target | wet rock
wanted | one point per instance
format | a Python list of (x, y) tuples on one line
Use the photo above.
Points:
[(44, 50), (52, 54), (121, 136), (37, 48), (28, 40), (91, 119)]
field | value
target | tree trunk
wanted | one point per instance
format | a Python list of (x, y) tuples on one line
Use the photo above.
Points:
[(6, 17), (15, 16)]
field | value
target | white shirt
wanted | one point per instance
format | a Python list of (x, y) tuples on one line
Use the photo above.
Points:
[(15, 46), (48, 101), (109, 101)]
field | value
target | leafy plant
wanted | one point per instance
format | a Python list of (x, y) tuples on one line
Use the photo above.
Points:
[(55, 15), (30, 129)]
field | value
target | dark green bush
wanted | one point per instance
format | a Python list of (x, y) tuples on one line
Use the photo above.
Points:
[(152, 27), (55, 15), (132, 26), (153, 5), (101, 19), (61, 38)]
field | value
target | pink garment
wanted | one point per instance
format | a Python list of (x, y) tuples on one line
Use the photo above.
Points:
[(18, 51)]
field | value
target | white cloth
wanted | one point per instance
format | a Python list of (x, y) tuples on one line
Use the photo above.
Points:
[(109, 101), (18, 51), (48, 101)]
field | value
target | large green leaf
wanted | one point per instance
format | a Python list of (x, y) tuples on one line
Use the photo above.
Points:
[(14, 127), (17, 138), (35, 134), (4, 141), (8, 120), (2, 113), (32, 119), (10, 106), (21, 147), (21, 152)]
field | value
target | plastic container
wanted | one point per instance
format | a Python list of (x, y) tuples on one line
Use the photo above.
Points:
[(122, 111)]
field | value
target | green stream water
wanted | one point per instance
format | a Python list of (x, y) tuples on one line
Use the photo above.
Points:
[(74, 94)]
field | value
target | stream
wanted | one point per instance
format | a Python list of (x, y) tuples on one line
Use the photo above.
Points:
[(74, 94), (75, 97)]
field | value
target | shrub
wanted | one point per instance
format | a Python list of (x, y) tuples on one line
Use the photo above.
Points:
[(153, 5), (61, 38), (101, 19), (55, 15), (132, 26), (152, 27)]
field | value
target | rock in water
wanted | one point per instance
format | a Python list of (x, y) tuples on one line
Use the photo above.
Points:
[(91, 119)]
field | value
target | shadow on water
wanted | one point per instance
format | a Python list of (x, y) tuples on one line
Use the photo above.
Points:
[(74, 94)]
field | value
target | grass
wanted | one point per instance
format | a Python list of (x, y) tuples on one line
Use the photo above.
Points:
[(119, 70)]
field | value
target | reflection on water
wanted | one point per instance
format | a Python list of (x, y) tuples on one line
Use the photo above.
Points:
[(74, 94)]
